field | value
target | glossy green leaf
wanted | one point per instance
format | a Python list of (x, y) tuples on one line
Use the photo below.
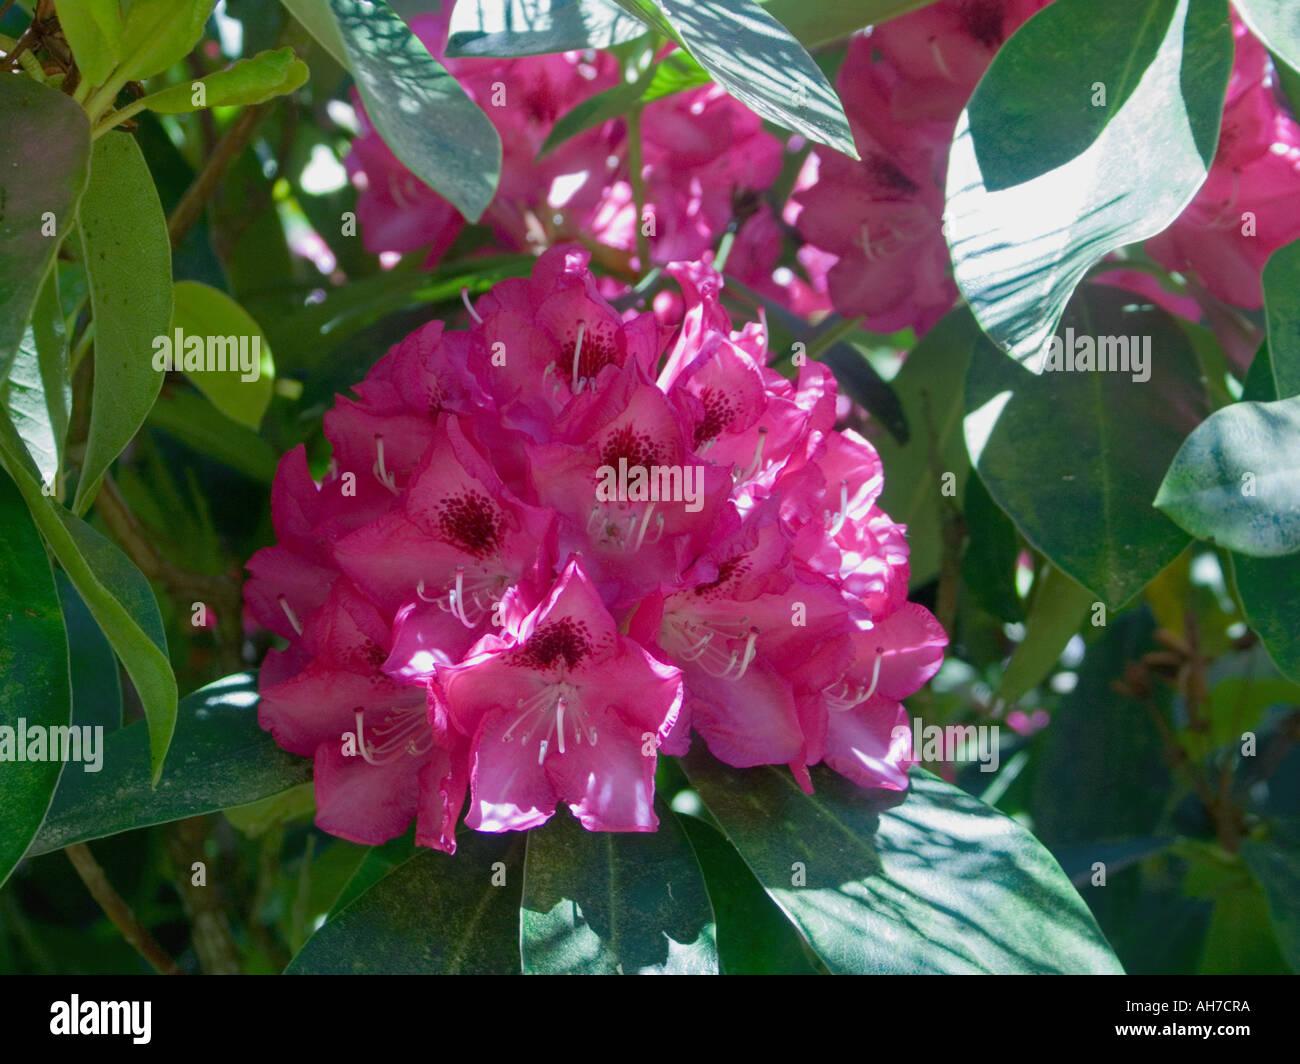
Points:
[(220, 758), (535, 27), (93, 29), (242, 390), (757, 61), (930, 387), (263, 77), (1276, 868), (1269, 589), (1277, 24), (424, 116), (754, 937), (38, 394), (35, 693), (158, 33), (1059, 608), (96, 687), (1236, 479), (128, 265), (940, 883), (988, 568), (1021, 245), (39, 193), (1090, 444), (1282, 304), (605, 903), (433, 914), (595, 110)]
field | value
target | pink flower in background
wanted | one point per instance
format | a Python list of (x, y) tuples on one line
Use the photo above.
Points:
[(1246, 209), (553, 544), (881, 218), (523, 98)]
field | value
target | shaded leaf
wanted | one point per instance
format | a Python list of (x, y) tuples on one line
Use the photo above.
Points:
[(605, 903), (34, 685), (39, 193), (221, 758), (940, 883), (433, 914)]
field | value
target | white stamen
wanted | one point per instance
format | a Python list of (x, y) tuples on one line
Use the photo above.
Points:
[(288, 612), (842, 516), (559, 721), (757, 463), (541, 752), (382, 474), (875, 674), (577, 351), (464, 298)]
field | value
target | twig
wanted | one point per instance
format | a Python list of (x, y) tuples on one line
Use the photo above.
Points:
[(136, 934), (228, 149)]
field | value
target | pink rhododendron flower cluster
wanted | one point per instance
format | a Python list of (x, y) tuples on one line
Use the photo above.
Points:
[(1246, 209), (563, 540)]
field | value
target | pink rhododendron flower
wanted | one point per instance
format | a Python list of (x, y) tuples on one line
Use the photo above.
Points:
[(564, 539), (880, 218), (523, 98), (1246, 209)]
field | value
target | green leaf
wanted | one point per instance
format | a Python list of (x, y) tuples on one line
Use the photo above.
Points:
[(605, 903), (1101, 774), (1269, 589), (256, 818), (128, 265), (1059, 609), (595, 110), (419, 109), (1282, 306), (1090, 444), (940, 883), (754, 937), (434, 914), (38, 394), (316, 19), (264, 76), (197, 423), (1277, 24), (1236, 479), (96, 687), (158, 33), (535, 27), (816, 24), (1020, 246), (39, 193), (221, 758), (757, 61), (988, 568), (931, 387), (198, 310), (93, 29), (1277, 870), (123, 604), (34, 686)]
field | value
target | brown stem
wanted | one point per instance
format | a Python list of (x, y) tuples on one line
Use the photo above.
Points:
[(213, 942), (227, 150), (135, 933)]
